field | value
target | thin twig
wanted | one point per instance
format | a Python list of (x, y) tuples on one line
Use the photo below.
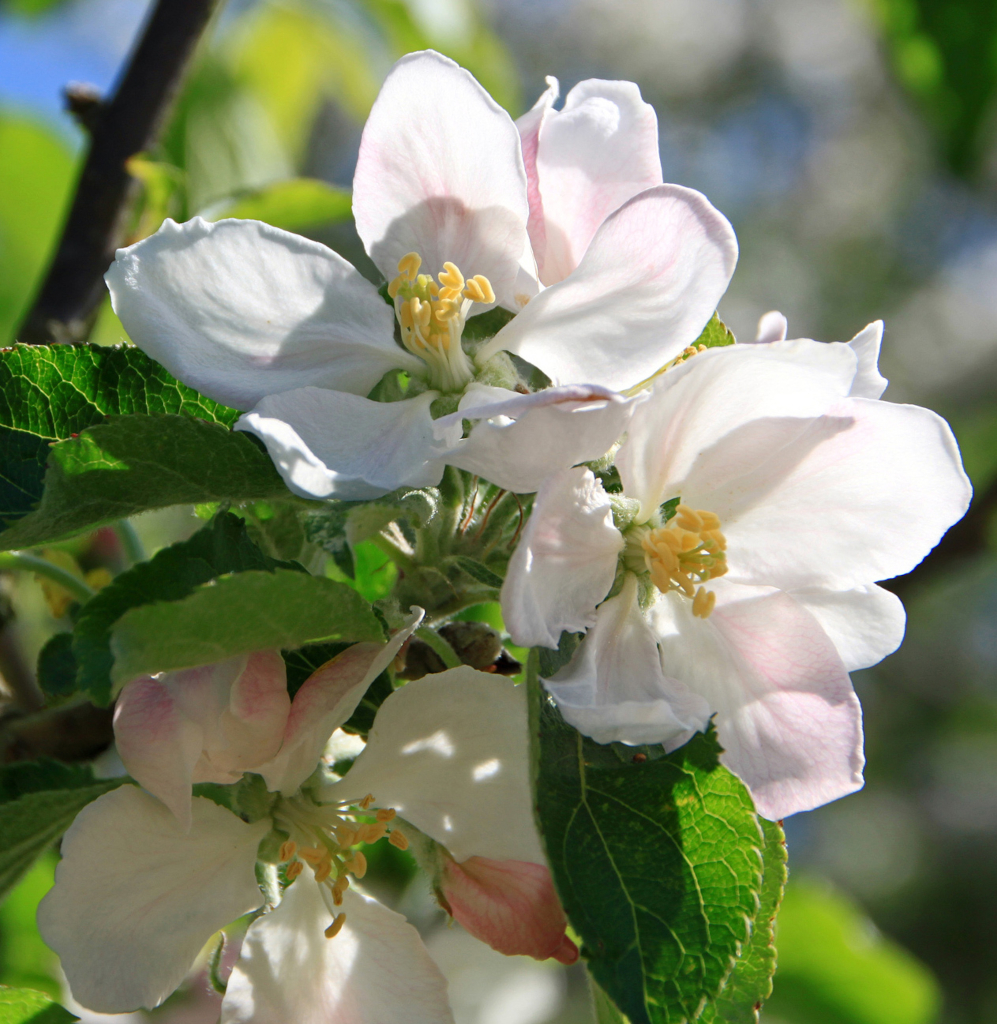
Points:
[(127, 124), (470, 512), (488, 511), (519, 526)]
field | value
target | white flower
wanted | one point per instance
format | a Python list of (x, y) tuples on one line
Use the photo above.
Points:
[(754, 601), (285, 328), (140, 889)]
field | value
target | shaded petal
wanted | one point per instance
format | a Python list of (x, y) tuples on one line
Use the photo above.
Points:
[(324, 701), (511, 905), (440, 173), (565, 561), (786, 713), (597, 152), (332, 444), (772, 327), (375, 971), (136, 898), (529, 126), (519, 442), (614, 688), (648, 283), (240, 310), (682, 432), (865, 624), (869, 382), (449, 752), (862, 494)]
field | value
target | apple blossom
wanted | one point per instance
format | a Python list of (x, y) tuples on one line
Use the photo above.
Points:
[(290, 332), (753, 598)]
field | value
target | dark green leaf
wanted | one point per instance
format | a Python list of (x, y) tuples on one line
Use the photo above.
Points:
[(221, 547), (750, 983), (486, 325), (716, 334), (657, 859), (26, 1006), (132, 464), (667, 508), (290, 205), (57, 666), (48, 393), (479, 572), (247, 611), (248, 798), (38, 801), (552, 661)]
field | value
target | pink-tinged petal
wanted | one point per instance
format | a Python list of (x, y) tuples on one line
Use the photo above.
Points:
[(509, 904), (136, 898), (519, 442), (324, 701), (565, 561), (869, 382), (863, 494), (440, 173), (450, 753), (240, 310), (772, 327), (158, 743), (786, 713), (865, 624), (529, 126), (597, 152), (615, 690), (330, 444), (645, 288), (374, 971), (680, 440)]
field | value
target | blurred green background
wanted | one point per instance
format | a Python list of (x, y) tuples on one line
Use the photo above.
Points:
[(853, 144)]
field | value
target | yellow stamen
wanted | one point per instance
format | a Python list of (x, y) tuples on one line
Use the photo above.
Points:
[(371, 833), (479, 289), (409, 264), (386, 814), (357, 864), (703, 603), (335, 927), (294, 869), (314, 855), (398, 839), (345, 836), (288, 850), (367, 801)]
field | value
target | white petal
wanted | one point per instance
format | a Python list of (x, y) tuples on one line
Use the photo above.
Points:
[(330, 444), (865, 624), (614, 689), (772, 327), (136, 898), (375, 971), (683, 432), (450, 753), (786, 713), (239, 310), (863, 494), (529, 126), (565, 561), (647, 285), (597, 152), (519, 442), (440, 173), (324, 701), (869, 382)]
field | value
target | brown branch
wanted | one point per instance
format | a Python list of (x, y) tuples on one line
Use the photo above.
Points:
[(127, 124), (74, 732)]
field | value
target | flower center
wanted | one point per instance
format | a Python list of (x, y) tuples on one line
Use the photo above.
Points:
[(687, 550), (326, 836), (432, 318)]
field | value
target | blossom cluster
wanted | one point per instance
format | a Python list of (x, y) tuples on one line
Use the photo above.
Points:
[(711, 520)]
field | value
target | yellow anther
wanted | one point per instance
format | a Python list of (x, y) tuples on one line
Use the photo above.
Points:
[(294, 869), (479, 289), (689, 518), (335, 927), (422, 312), (357, 864), (339, 887), (372, 833), (394, 286), (409, 265), (398, 839), (703, 603), (323, 871), (288, 850), (451, 277), (345, 836), (386, 813), (314, 855), (367, 801)]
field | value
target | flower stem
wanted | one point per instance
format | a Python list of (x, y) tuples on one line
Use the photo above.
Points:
[(131, 543), (15, 560), (439, 645)]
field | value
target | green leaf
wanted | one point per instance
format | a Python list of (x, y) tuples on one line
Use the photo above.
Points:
[(552, 661), (486, 325), (750, 983), (479, 572), (49, 393), (247, 611), (248, 798), (26, 1006), (716, 334), (657, 859), (57, 666), (25, 960), (221, 547), (38, 802), (291, 205), (836, 968)]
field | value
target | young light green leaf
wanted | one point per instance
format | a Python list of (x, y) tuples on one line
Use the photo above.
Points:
[(26, 1006), (221, 547), (657, 859), (49, 393), (38, 801), (247, 611), (716, 334), (291, 205), (132, 464), (750, 983), (479, 572)]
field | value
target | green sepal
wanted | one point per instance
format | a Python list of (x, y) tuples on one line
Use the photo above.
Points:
[(248, 798), (27, 1006), (479, 572)]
